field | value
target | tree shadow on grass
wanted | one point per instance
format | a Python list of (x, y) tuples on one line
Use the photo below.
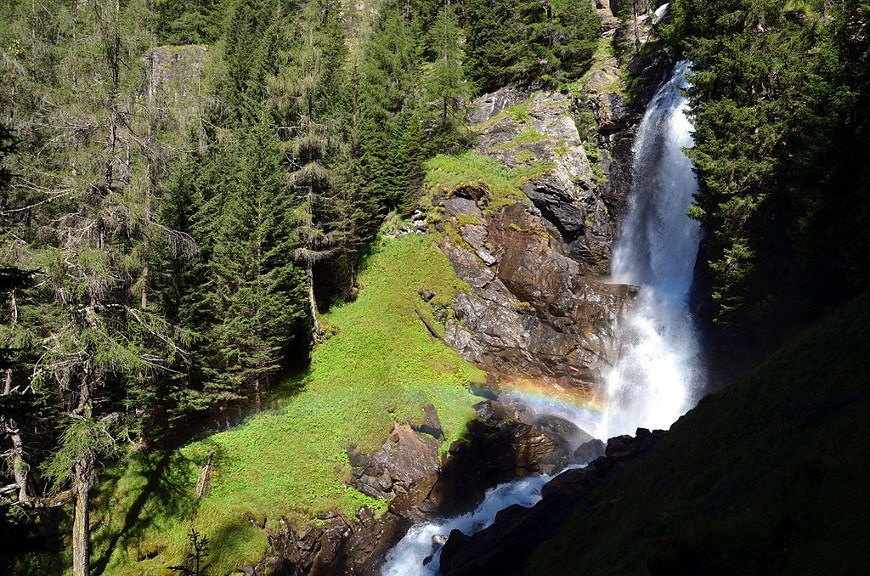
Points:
[(228, 538), (167, 486)]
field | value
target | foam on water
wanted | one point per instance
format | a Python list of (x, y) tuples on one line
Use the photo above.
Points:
[(659, 372)]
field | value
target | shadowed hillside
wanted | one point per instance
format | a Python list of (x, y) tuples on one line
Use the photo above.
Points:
[(769, 476)]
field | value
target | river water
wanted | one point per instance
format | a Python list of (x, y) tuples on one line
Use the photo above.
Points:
[(659, 374)]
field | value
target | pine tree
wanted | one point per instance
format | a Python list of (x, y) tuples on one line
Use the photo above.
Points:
[(445, 84), (302, 96)]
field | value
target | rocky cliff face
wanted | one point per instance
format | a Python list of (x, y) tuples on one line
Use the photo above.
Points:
[(538, 308), (506, 441)]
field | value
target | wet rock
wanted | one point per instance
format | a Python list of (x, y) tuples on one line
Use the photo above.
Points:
[(505, 547), (340, 546), (537, 310), (589, 451), (455, 541), (532, 313), (567, 432), (498, 447)]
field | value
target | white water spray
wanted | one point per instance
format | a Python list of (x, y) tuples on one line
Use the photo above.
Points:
[(659, 372)]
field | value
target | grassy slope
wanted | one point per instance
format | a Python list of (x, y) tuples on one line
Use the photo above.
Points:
[(770, 476), (382, 366)]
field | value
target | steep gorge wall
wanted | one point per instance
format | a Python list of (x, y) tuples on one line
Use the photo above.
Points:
[(540, 308)]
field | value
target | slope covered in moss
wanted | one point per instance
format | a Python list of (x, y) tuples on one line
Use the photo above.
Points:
[(290, 461)]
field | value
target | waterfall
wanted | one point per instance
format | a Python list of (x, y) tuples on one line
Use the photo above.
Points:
[(658, 372)]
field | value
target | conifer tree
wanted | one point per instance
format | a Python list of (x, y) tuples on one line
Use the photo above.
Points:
[(76, 225), (303, 96), (446, 86), (254, 285), (390, 71)]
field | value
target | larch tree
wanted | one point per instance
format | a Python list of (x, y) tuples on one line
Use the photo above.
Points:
[(79, 226)]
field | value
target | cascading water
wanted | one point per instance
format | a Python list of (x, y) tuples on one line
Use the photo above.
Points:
[(408, 556), (659, 371)]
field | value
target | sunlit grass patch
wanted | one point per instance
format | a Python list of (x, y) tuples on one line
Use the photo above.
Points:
[(471, 170), (381, 366)]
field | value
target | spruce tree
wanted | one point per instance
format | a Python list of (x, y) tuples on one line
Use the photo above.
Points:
[(446, 87), (255, 287), (303, 102)]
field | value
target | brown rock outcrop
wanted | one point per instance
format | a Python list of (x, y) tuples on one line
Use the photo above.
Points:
[(537, 310)]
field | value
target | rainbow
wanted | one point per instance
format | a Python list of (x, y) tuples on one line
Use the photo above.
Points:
[(575, 405)]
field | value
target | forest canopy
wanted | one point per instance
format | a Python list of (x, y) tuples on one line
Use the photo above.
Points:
[(186, 184), (780, 100)]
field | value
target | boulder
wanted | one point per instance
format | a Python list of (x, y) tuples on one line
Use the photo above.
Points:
[(508, 441), (431, 423), (589, 451), (403, 470)]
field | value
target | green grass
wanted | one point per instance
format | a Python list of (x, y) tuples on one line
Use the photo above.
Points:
[(767, 477), (382, 366), (484, 174)]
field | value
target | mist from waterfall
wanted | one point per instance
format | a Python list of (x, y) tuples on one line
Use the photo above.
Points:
[(658, 373)]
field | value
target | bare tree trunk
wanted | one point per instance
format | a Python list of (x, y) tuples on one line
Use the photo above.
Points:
[(312, 302), (81, 519), (113, 49), (82, 480)]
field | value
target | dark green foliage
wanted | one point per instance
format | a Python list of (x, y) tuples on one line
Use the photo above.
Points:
[(251, 47), (306, 111), (445, 86), (767, 477), (253, 287), (7, 145), (389, 67), (528, 42), (779, 102), (189, 21)]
